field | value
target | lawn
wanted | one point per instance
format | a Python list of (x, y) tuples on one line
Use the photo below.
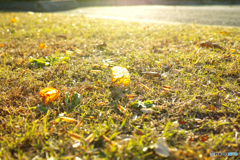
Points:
[(182, 101)]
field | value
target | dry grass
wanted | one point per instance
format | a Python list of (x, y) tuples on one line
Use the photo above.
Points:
[(198, 113)]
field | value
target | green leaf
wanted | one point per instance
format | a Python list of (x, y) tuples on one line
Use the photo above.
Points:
[(148, 103), (43, 109), (135, 104), (77, 99)]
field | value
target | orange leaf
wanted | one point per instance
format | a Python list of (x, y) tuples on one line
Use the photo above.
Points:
[(211, 108), (67, 119), (49, 94), (42, 46), (144, 86), (203, 138), (224, 32), (101, 103), (122, 109), (2, 45), (120, 75), (131, 96)]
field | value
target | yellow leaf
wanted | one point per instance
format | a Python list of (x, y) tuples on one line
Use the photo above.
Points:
[(49, 94), (75, 136), (96, 71), (67, 119), (120, 75), (89, 139), (13, 20), (42, 46)]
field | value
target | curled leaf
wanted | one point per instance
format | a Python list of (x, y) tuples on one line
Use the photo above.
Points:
[(120, 75), (49, 94), (161, 148)]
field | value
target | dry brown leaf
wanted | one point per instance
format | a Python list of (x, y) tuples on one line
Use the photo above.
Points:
[(75, 136), (89, 139), (93, 87), (153, 74), (144, 86), (147, 110), (108, 140), (211, 45)]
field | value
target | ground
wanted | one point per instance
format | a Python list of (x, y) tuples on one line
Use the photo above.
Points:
[(182, 100)]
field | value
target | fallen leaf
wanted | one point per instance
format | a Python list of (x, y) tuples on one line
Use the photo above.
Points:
[(211, 45), (49, 94), (68, 52), (161, 148), (43, 109), (108, 140), (93, 87), (144, 86), (152, 74), (131, 96), (2, 54), (203, 138), (79, 124), (13, 20), (96, 71), (42, 46), (30, 13), (77, 50), (120, 75), (101, 103), (75, 136), (137, 132), (211, 108), (89, 139), (147, 110), (2, 45), (122, 109), (67, 119), (181, 122), (224, 32)]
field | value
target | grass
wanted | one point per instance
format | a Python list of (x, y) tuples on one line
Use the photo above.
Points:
[(194, 100)]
